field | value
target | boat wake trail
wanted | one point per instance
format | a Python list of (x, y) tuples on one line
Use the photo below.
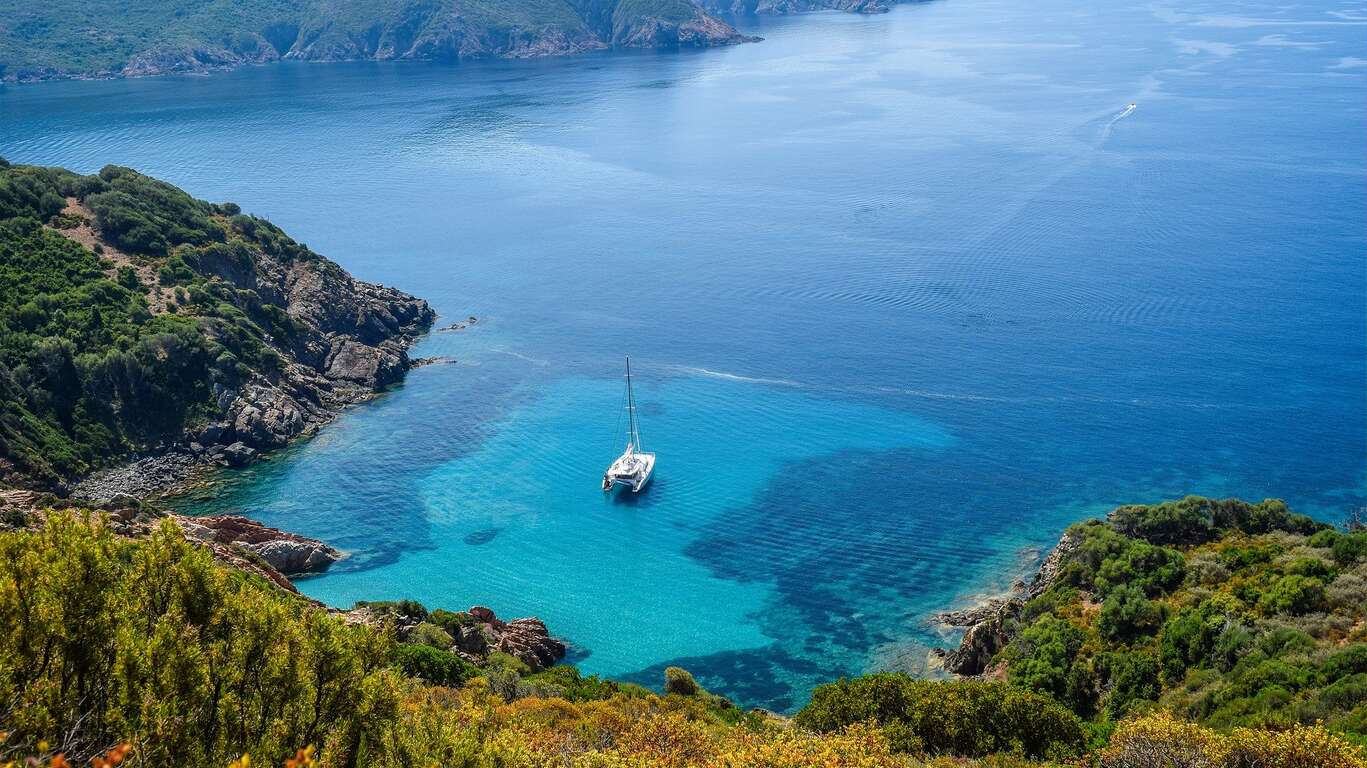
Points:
[(694, 371), (1124, 113), (533, 360)]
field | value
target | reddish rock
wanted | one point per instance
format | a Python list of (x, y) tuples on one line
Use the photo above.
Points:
[(288, 553)]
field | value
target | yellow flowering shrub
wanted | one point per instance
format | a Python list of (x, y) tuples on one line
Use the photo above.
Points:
[(1160, 740)]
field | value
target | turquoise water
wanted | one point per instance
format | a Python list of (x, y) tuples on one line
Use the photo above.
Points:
[(906, 294)]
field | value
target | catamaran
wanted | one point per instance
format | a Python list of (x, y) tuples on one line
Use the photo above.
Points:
[(634, 466)]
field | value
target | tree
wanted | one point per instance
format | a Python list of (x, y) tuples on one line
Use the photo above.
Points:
[(1126, 613)]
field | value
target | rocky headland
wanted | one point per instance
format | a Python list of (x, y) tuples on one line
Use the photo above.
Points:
[(991, 625), (294, 338), (782, 7), (352, 341)]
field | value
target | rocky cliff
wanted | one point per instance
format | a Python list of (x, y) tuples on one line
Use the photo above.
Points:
[(781, 7)]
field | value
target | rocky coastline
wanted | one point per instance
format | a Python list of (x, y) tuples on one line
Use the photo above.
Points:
[(785, 7), (992, 624), (352, 341), (436, 31)]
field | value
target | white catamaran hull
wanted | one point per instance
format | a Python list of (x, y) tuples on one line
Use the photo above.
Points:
[(632, 469)]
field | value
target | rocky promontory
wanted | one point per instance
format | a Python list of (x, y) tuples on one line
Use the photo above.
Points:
[(994, 623), (288, 553), (211, 337), (783, 7)]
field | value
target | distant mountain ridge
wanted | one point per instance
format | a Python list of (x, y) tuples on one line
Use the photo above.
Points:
[(112, 38)]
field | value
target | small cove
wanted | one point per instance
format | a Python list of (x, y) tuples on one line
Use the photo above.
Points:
[(908, 295)]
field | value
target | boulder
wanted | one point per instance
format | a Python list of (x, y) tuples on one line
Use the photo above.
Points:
[(528, 641), (121, 500), (291, 556), (239, 454)]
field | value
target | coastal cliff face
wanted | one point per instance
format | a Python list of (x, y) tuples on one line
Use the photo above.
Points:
[(69, 39), (781, 7), (142, 321)]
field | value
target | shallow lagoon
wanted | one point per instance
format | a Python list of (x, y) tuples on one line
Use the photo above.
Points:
[(907, 294)]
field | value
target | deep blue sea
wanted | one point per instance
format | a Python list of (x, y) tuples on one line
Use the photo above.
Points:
[(905, 295)]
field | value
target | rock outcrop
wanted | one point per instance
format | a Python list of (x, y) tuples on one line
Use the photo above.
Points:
[(992, 625), (475, 634), (288, 553), (350, 341), (526, 640)]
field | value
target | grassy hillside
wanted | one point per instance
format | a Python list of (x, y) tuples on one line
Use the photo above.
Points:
[(150, 653), (130, 311), (66, 38)]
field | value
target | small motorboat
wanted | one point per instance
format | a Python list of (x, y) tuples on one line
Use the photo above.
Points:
[(633, 468)]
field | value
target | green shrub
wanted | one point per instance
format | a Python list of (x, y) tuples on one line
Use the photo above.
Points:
[(1349, 661), (1311, 566), (1294, 595), (576, 686), (1133, 677), (104, 638), (1349, 548), (1126, 614), (969, 719), (431, 635), (451, 621), (128, 278), (1045, 658), (435, 665), (680, 682)]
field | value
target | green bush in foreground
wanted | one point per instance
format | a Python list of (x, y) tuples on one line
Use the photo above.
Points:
[(435, 665), (966, 718), (103, 640)]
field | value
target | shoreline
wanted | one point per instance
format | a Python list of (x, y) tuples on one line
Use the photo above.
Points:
[(188, 466)]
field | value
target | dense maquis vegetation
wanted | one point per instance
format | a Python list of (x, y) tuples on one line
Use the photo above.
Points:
[(73, 38), (105, 352), (106, 641), (1227, 613)]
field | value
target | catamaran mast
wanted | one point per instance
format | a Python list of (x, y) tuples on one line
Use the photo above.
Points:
[(634, 438)]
